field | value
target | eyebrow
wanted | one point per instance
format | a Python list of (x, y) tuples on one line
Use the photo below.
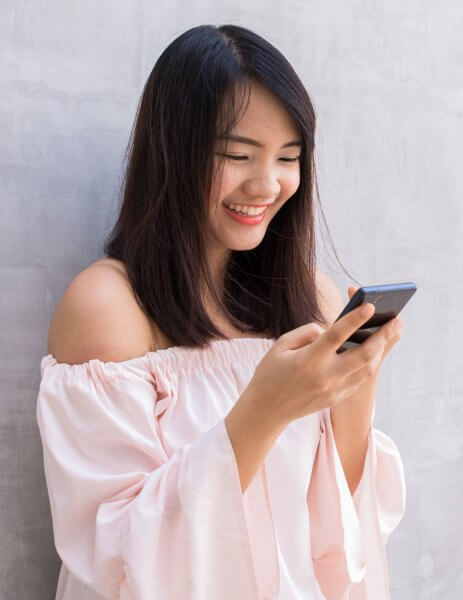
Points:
[(251, 142)]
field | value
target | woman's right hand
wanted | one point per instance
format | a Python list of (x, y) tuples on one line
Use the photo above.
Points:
[(302, 373)]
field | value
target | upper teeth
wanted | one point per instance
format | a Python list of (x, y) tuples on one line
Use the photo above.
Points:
[(250, 210)]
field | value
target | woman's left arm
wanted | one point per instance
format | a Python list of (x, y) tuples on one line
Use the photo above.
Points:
[(351, 418)]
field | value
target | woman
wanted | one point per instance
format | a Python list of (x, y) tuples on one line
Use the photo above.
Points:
[(202, 437)]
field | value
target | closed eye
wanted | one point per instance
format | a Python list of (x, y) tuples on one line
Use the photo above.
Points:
[(245, 158)]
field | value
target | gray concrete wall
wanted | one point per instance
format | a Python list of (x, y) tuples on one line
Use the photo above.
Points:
[(387, 82)]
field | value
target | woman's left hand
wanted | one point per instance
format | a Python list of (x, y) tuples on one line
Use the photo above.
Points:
[(388, 346)]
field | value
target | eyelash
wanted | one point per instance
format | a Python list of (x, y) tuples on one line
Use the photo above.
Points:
[(245, 157)]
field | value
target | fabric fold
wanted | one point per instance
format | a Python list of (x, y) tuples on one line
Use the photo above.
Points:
[(132, 523), (349, 533)]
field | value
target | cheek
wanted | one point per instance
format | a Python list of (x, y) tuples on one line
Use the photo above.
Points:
[(289, 183), (223, 186)]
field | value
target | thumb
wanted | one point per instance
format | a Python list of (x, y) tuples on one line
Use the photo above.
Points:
[(301, 336)]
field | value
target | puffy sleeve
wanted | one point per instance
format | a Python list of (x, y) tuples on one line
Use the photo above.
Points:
[(349, 533), (129, 521)]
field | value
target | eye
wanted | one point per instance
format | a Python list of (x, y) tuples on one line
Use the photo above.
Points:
[(245, 158), (235, 157)]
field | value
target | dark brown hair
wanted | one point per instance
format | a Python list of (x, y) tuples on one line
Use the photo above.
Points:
[(193, 95)]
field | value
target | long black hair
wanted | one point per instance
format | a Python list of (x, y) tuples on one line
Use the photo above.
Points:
[(194, 95)]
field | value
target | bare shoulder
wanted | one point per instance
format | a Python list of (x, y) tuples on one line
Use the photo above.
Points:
[(98, 317), (329, 296)]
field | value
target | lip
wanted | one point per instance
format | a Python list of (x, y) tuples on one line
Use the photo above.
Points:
[(245, 220), (241, 204)]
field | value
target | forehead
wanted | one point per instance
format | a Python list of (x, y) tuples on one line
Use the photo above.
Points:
[(265, 116)]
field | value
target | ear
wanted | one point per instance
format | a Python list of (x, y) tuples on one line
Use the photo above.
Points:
[(329, 296)]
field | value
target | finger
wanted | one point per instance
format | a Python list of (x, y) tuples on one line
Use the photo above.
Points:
[(341, 330), (301, 336), (391, 343), (387, 330), (351, 291), (361, 357), (379, 342)]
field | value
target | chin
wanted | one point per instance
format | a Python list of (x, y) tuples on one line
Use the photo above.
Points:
[(245, 245)]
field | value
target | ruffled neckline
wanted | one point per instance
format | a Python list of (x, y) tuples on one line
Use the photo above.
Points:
[(219, 351)]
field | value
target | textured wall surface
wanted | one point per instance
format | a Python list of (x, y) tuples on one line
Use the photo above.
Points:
[(387, 83)]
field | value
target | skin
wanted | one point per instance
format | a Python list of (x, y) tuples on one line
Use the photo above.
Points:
[(262, 176)]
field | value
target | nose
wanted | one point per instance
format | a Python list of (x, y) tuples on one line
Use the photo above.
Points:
[(264, 186)]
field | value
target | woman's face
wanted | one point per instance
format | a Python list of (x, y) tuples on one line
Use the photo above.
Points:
[(265, 172)]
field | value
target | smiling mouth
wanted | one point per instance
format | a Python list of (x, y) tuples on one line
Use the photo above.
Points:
[(244, 218), (248, 205), (252, 210)]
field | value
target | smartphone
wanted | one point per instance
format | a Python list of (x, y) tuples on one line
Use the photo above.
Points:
[(388, 300)]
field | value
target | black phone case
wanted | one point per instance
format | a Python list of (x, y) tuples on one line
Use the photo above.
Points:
[(388, 300)]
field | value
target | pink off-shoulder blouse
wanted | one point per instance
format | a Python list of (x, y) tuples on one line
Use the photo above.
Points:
[(145, 494)]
